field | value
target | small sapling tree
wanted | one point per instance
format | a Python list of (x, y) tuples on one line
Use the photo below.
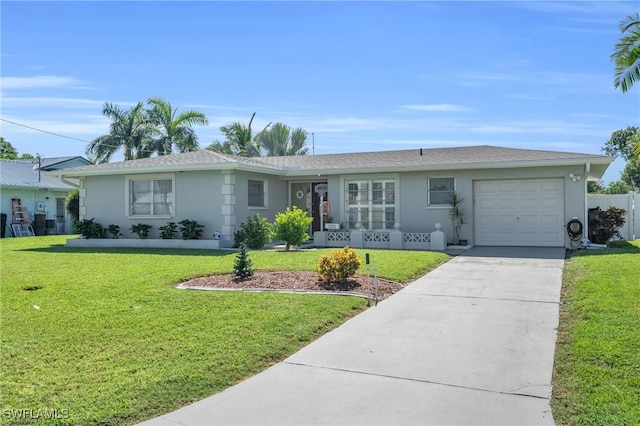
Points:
[(292, 226), (243, 266)]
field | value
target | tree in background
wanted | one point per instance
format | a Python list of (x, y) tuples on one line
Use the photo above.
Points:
[(8, 152), (631, 174), (72, 204), (625, 143), (172, 129), (239, 140), (281, 139), (626, 56), (129, 130)]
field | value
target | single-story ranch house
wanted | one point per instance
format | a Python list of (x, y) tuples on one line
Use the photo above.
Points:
[(512, 197)]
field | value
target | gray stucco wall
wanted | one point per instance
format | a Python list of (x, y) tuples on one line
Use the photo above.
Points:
[(277, 196), (414, 214)]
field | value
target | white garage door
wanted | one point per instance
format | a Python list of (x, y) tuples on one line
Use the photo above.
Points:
[(524, 212)]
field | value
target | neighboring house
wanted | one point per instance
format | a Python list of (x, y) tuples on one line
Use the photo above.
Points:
[(38, 192), (512, 197)]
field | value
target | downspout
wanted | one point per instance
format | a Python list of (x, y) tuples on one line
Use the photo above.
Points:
[(587, 170)]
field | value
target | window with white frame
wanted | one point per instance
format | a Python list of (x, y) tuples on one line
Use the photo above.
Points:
[(150, 196), (370, 203), (257, 193), (440, 191)]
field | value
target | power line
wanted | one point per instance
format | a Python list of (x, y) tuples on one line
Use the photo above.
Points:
[(43, 131)]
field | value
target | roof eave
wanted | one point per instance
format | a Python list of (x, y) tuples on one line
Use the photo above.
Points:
[(70, 173)]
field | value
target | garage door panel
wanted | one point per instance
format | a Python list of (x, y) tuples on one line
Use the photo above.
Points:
[(526, 212)]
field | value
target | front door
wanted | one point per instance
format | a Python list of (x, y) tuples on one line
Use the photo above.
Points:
[(305, 197)]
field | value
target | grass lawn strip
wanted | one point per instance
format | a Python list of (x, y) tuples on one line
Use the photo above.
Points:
[(597, 362), (101, 336)]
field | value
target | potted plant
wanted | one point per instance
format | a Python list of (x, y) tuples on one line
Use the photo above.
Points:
[(456, 213), (168, 231), (142, 229), (191, 229), (114, 230)]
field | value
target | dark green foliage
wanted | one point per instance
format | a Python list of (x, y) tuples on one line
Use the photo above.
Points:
[(72, 204), (292, 226), (114, 230), (242, 267), (191, 229), (605, 225), (631, 174), (238, 238), (168, 231), (142, 229), (256, 232), (88, 228)]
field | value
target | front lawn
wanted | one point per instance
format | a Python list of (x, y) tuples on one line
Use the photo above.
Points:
[(101, 336), (597, 362)]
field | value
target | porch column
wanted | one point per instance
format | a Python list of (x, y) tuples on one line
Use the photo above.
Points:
[(228, 207)]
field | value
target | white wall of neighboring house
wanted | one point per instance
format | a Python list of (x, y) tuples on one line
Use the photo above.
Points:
[(36, 201), (630, 202)]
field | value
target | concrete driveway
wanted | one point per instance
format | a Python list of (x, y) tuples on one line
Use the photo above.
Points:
[(470, 343)]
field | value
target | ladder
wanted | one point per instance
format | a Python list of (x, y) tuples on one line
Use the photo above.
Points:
[(20, 222)]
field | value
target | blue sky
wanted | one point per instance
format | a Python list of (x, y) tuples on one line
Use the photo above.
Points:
[(362, 76)]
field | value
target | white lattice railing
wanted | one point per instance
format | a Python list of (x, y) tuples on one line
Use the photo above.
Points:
[(339, 236), (417, 237), (376, 237)]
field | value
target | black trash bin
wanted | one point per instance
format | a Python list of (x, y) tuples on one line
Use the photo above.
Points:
[(3, 223)]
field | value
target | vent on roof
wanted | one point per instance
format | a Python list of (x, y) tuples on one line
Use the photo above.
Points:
[(420, 151)]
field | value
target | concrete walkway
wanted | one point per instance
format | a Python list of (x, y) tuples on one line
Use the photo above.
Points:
[(470, 343)]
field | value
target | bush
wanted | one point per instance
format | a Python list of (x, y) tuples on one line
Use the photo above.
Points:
[(168, 231), (242, 267), (339, 266), (88, 228), (292, 226), (605, 225), (114, 230), (142, 229), (191, 229), (72, 204), (256, 232)]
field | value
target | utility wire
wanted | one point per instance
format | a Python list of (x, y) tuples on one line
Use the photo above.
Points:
[(43, 131)]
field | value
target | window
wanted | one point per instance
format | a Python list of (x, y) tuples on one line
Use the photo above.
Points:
[(257, 190), (440, 191), (371, 203), (150, 196)]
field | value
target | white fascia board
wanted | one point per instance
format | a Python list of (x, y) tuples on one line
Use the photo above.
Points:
[(160, 169), (461, 166)]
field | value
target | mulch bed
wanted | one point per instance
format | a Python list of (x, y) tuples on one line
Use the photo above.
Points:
[(295, 281)]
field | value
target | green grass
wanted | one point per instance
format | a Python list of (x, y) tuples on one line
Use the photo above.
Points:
[(597, 363), (103, 337)]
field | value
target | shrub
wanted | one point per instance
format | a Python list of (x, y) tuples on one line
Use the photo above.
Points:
[(339, 265), (168, 231), (242, 267), (72, 204), (605, 225), (256, 232), (88, 228), (292, 226), (238, 238), (191, 229), (142, 229), (114, 230)]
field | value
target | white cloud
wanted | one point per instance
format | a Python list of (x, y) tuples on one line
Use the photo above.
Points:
[(542, 127), (38, 82), (437, 108), (38, 102)]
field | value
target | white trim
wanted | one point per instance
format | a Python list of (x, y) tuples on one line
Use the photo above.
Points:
[(151, 177)]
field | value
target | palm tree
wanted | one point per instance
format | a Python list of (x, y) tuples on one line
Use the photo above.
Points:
[(280, 140), (626, 56), (172, 128), (128, 130), (239, 140)]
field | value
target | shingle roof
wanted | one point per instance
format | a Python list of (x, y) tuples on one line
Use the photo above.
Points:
[(414, 159), (24, 174)]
